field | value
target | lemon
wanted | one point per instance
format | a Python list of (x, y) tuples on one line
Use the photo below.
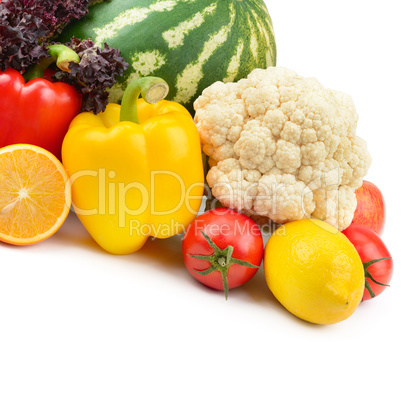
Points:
[(314, 271)]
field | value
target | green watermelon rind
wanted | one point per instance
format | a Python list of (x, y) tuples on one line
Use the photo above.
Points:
[(204, 54)]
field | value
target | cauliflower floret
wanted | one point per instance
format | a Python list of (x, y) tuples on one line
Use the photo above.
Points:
[(283, 198), (234, 186), (335, 206), (282, 147)]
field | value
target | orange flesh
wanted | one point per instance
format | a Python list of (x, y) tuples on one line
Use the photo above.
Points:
[(34, 194)]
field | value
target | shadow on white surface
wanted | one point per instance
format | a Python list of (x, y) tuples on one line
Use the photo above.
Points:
[(165, 256), (73, 233)]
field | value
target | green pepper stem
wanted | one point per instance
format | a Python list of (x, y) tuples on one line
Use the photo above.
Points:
[(59, 54), (152, 89)]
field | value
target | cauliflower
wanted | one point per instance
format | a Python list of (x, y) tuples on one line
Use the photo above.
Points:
[(282, 146)]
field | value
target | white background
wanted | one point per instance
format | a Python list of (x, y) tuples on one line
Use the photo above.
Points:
[(78, 324)]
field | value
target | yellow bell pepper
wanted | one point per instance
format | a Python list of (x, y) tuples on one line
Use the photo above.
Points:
[(136, 169)]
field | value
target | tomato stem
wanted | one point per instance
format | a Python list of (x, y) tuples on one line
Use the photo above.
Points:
[(369, 276), (220, 260), (368, 263), (368, 287)]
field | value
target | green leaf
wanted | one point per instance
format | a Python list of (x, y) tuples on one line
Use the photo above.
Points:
[(368, 287), (205, 271), (243, 263), (368, 275), (368, 263), (201, 257), (210, 242)]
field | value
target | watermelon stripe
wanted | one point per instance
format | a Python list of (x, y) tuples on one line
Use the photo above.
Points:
[(184, 60), (189, 43), (130, 17), (193, 48), (234, 65), (266, 32), (175, 36), (187, 86), (253, 38), (262, 37)]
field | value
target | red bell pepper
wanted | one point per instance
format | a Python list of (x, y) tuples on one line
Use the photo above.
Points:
[(38, 112)]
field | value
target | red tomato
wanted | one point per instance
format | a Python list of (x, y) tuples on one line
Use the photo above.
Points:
[(372, 252), (223, 249)]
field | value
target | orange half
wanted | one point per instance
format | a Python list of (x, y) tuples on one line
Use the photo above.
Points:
[(35, 194)]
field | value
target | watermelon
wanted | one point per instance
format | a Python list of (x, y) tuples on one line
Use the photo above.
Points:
[(189, 43)]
